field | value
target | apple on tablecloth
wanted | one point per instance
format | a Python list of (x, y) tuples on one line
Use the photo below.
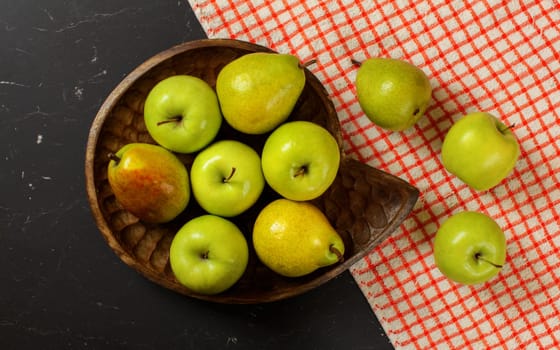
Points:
[(480, 150), (470, 248)]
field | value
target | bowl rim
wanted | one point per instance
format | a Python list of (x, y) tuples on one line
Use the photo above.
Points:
[(110, 103), (93, 138)]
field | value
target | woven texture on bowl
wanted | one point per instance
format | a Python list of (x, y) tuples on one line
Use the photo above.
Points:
[(363, 204)]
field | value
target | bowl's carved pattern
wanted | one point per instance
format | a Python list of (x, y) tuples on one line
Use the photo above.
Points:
[(363, 204)]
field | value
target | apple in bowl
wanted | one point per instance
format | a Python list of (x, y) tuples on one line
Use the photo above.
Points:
[(182, 113), (208, 254), (300, 160), (226, 178)]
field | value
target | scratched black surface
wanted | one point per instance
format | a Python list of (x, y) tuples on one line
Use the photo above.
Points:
[(61, 287)]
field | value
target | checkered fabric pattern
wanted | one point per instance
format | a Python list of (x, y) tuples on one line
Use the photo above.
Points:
[(497, 56)]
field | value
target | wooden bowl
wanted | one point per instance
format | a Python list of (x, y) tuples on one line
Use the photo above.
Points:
[(363, 204)]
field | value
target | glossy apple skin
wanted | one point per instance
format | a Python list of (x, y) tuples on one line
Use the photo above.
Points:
[(300, 160), (189, 98), (150, 182), (463, 242), (480, 150), (214, 165), (209, 254)]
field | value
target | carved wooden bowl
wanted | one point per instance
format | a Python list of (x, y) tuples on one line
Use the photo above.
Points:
[(363, 204)]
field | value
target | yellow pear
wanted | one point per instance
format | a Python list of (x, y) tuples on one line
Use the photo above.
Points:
[(258, 91), (295, 238)]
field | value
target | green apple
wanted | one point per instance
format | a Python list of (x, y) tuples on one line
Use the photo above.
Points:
[(300, 160), (470, 248), (480, 150), (226, 178), (209, 254), (393, 94), (182, 113), (149, 181)]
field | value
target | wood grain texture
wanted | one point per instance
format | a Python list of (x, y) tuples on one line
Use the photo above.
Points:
[(363, 204)]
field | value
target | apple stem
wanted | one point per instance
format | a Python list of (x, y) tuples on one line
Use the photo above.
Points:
[(301, 171), (113, 157), (204, 255), (336, 252), (479, 257), (174, 119), (307, 64), (230, 175), (355, 62), (509, 127)]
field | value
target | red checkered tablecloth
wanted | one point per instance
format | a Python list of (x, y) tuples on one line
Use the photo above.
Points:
[(497, 56)]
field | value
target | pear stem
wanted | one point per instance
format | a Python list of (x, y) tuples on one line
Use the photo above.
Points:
[(479, 257), (336, 252), (307, 64), (355, 62), (233, 169), (174, 119), (113, 157)]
